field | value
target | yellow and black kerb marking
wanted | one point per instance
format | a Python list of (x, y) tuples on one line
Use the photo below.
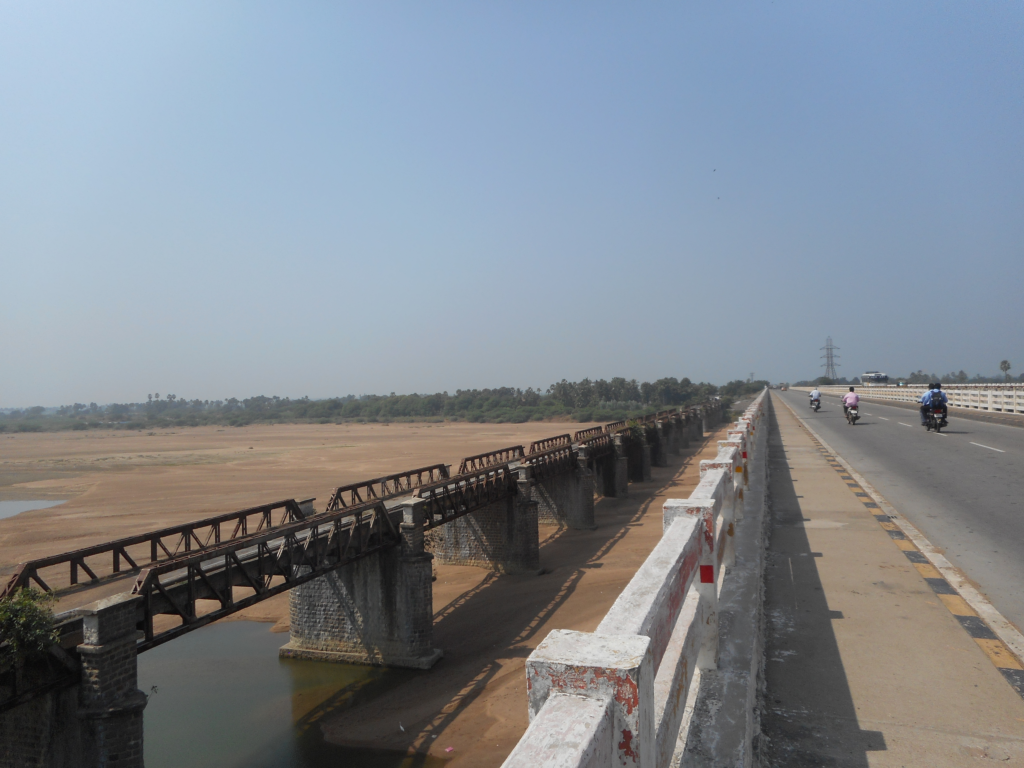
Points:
[(998, 653)]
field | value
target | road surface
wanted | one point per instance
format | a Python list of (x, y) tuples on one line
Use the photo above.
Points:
[(963, 488)]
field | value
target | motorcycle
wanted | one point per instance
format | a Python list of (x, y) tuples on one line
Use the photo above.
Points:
[(852, 414), (935, 419), (815, 405)]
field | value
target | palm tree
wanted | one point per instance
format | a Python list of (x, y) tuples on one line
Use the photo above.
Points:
[(1005, 368)]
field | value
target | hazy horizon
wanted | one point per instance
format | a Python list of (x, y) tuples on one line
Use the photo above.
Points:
[(240, 199)]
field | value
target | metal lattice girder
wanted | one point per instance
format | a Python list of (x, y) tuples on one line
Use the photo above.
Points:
[(386, 487), (296, 553), (555, 461), (537, 446), (585, 434), (598, 445), (482, 461), (467, 493), (125, 555)]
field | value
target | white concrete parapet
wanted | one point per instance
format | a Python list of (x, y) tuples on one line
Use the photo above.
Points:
[(616, 696), (568, 731), (995, 398)]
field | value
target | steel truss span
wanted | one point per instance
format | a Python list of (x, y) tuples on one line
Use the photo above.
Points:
[(125, 555), (491, 459), (271, 548), (387, 487)]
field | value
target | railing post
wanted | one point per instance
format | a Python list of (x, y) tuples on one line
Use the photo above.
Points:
[(707, 585), (617, 669)]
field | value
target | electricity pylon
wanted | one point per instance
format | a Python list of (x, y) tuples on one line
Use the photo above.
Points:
[(830, 358)]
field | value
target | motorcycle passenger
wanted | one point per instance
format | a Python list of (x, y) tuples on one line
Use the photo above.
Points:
[(933, 396), (851, 398), (815, 395)]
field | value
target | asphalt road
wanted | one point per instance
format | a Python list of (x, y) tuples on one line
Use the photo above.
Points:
[(963, 488)]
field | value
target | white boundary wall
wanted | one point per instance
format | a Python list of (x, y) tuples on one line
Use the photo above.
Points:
[(616, 696), (997, 398)]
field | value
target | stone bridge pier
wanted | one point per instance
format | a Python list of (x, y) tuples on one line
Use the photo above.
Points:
[(616, 478), (660, 447), (567, 498), (377, 610), (696, 425), (502, 536), (639, 453), (677, 439), (95, 722)]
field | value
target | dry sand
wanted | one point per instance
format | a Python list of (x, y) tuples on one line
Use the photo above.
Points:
[(474, 700), (120, 483)]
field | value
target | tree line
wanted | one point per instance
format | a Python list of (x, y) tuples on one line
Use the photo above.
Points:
[(586, 400), (921, 377)]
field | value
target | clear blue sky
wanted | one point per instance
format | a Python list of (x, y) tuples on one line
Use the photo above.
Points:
[(230, 199)]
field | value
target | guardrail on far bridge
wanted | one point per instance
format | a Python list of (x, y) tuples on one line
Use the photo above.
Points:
[(994, 398)]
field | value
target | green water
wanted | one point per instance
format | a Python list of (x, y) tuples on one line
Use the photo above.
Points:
[(225, 699)]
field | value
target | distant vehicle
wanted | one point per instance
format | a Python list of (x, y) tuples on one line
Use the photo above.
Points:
[(874, 378)]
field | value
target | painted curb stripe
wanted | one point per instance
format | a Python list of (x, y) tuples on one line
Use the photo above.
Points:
[(997, 639)]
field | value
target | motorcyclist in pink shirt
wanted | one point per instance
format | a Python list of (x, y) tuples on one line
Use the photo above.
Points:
[(850, 398)]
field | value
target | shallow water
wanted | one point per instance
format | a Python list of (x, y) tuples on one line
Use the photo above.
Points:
[(225, 699), (12, 508)]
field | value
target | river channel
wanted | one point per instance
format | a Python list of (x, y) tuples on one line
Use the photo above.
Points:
[(12, 508), (221, 697)]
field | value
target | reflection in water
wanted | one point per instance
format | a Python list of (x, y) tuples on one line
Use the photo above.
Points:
[(224, 698)]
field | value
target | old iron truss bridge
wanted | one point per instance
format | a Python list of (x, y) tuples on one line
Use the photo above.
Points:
[(205, 570)]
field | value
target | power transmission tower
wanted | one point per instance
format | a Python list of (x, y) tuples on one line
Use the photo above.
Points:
[(830, 358)]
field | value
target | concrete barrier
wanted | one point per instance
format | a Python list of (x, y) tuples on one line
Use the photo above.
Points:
[(994, 398), (618, 696)]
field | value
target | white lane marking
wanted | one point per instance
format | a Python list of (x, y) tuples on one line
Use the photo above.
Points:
[(883, 418), (989, 447), (1004, 630), (904, 425)]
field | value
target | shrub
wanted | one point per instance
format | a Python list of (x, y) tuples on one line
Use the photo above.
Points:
[(26, 625)]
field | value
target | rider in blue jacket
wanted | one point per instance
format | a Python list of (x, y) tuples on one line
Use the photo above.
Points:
[(934, 394)]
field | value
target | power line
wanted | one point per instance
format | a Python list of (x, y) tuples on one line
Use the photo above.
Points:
[(830, 358)]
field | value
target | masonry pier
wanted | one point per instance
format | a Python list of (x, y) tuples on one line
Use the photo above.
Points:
[(502, 536), (567, 498), (377, 610), (639, 453), (96, 721), (659, 449), (618, 469)]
